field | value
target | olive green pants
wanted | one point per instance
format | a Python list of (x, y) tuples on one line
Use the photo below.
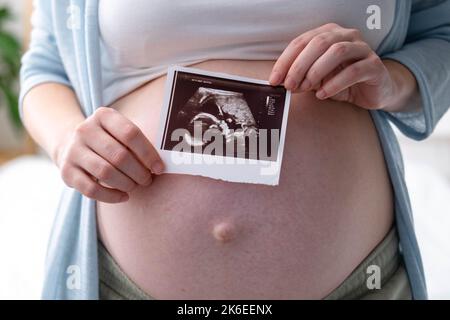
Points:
[(384, 262)]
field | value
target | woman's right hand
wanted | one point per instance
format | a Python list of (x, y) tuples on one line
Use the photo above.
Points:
[(106, 157)]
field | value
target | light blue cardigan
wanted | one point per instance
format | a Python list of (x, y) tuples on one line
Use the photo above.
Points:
[(420, 39)]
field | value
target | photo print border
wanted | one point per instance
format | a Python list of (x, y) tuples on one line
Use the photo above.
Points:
[(184, 152)]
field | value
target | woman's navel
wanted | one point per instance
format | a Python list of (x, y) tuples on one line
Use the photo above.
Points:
[(224, 232)]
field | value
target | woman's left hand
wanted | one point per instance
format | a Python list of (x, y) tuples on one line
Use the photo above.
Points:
[(336, 63)]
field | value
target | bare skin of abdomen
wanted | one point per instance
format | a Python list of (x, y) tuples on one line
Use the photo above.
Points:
[(189, 237)]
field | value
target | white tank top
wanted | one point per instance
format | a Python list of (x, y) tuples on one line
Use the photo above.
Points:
[(140, 38)]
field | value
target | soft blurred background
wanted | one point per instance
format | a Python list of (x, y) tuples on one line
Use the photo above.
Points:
[(30, 184)]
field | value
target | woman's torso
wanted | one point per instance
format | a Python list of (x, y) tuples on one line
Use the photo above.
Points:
[(193, 237)]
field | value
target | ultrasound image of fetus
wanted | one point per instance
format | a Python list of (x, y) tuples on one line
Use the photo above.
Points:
[(220, 113)]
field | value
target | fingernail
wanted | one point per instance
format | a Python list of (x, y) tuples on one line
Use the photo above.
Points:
[(305, 85), (321, 94), (275, 78), (291, 84), (157, 167)]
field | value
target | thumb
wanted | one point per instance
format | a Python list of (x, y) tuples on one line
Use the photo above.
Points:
[(344, 95)]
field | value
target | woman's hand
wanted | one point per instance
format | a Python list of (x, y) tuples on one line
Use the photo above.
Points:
[(107, 156), (336, 63)]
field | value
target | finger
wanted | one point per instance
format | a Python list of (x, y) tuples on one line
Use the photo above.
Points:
[(91, 189), (339, 53), (127, 133), (344, 95), (357, 72), (333, 73), (292, 51), (106, 173), (120, 157), (314, 49), (329, 76)]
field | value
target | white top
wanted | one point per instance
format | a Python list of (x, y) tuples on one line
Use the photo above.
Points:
[(141, 38)]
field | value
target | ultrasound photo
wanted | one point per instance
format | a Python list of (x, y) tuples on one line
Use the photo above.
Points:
[(216, 116), (239, 115)]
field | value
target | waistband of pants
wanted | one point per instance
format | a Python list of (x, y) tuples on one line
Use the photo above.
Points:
[(385, 258), (115, 284)]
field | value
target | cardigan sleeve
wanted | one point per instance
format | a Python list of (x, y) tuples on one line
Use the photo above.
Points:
[(426, 53), (42, 62)]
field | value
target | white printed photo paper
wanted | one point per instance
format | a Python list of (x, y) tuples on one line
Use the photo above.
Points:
[(223, 126)]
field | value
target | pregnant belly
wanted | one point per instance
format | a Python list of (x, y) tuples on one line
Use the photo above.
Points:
[(197, 238)]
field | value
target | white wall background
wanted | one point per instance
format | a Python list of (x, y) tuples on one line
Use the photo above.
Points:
[(435, 151)]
